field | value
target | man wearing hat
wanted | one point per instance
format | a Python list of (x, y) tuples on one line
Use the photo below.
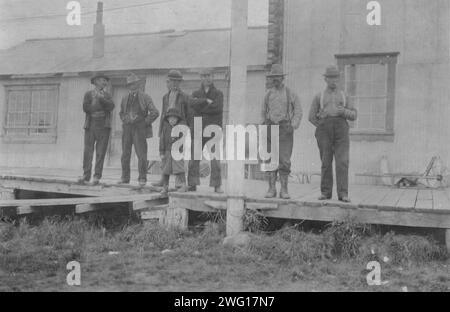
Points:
[(137, 113), (98, 105), (281, 107), (175, 98), (329, 113), (209, 106)]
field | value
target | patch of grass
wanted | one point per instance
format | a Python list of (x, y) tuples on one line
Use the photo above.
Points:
[(254, 221), (406, 249), (346, 237), (290, 246)]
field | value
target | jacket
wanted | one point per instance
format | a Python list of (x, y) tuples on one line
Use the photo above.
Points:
[(150, 111), (211, 114), (106, 104), (169, 165), (182, 104), (294, 111)]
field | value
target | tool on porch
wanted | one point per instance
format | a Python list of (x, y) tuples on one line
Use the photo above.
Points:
[(436, 175)]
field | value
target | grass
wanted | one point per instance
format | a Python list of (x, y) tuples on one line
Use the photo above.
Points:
[(34, 257)]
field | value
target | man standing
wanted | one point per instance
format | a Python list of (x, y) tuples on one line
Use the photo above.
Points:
[(176, 99), (330, 111), (137, 113), (281, 107), (209, 106), (98, 105)]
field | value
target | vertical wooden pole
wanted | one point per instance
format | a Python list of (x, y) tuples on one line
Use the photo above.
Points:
[(238, 93), (447, 239)]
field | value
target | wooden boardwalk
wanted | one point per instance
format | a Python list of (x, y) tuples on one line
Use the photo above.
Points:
[(370, 204)]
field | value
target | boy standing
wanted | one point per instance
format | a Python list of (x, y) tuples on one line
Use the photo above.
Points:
[(170, 166)]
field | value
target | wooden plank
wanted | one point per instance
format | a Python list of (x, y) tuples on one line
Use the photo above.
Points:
[(373, 200), (440, 201), (81, 200), (25, 210), (408, 199), (424, 200), (363, 215), (261, 206), (149, 204), (447, 239), (391, 199), (85, 208), (218, 205)]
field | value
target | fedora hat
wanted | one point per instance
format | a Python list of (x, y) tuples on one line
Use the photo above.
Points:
[(99, 75), (276, 71), (175, 75), (132, 78), (173, 112), (332, 71)]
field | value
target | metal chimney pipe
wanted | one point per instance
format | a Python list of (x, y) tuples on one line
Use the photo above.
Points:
[(99, 33)]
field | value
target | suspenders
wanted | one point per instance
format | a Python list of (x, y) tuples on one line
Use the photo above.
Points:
[(322, 95)]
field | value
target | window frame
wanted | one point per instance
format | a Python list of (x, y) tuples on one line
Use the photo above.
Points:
[(390, 59), (34, 139)]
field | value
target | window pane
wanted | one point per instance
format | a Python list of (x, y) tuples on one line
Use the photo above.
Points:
[(364, 72), (364, 106), (364, 121), (363, 88), (379, 121), (379, 72), (379, 88), (31, 110), (379, 106)]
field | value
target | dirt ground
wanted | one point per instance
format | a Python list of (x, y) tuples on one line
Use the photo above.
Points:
[(150, 258)]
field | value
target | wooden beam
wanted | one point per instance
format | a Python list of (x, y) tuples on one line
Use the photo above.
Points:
[(84, 208), (82, 200), (25, 210), (237, 112), (218, 205), (150, 204)]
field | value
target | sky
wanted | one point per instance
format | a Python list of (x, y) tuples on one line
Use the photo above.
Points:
[(22, 19)]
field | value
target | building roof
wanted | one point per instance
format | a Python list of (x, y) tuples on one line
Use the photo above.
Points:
[(163, 50)]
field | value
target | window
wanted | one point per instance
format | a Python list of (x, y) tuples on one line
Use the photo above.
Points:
[(31, 113), (369, 82)]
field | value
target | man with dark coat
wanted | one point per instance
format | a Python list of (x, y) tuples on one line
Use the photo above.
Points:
[(137, 113), (208, 106), (177, 99), (329, 113), (98, 105)]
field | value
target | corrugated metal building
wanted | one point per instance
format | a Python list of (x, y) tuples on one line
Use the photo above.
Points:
[(43, 82), (397, 74)]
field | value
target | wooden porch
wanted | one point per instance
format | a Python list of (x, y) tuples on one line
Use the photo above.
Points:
[(429, 208)]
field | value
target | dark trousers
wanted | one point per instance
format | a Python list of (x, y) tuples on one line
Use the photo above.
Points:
[(286, 144), (194, 168), (134, 134), (333, 139), (95, 138)]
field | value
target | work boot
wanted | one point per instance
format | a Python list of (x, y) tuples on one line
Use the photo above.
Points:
[(345, 199), (96, 181), (272, 192), (192, 188), (82, 180), (324, 197), (284, 194)]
